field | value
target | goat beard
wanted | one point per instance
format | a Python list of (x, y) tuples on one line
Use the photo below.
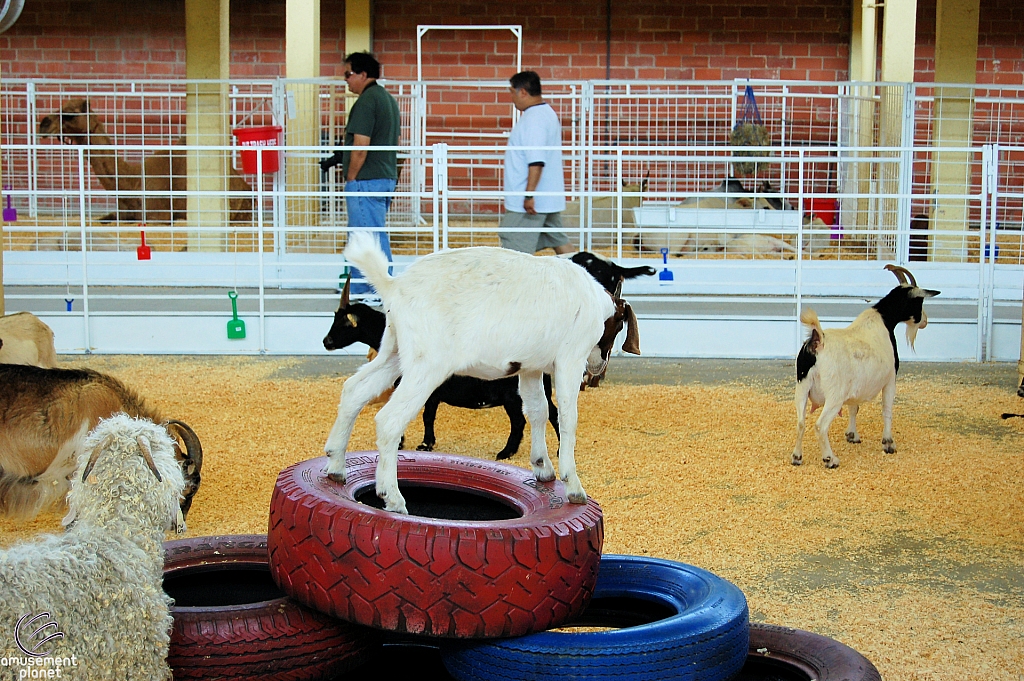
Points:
[(912, 330)]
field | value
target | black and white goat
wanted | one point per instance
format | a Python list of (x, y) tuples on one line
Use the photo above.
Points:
[(610, 275), (483, 312), (851, 365), (359, 323)]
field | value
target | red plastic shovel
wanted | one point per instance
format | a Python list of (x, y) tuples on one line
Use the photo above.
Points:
[(143, 250)]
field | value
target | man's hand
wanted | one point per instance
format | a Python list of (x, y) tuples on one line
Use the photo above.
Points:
[(528, 206), (331, 161)]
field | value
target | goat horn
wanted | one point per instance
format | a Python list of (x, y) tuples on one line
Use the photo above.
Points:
[(902, 274), (193, 447), (95, 455), (147, 454), (618, 290), (345, 290)]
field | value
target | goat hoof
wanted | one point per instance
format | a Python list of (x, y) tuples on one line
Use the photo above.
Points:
[(797, 460), (888, 446), (337, 477), (853, 438), (424, 447), (503, 455), (831, 462), (578, 498)]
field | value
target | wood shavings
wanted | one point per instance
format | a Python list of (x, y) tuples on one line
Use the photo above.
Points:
[(915, 559)]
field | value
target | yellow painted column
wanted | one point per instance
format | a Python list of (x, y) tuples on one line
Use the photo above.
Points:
[(358, 26), (899, 39), (956, 61), (207, 56), (302, 61), (863, 58)]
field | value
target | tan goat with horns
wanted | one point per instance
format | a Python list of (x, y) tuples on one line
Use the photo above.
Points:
[(852, 365)]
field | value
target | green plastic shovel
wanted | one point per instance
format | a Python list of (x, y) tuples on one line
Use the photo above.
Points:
[(236, 327)]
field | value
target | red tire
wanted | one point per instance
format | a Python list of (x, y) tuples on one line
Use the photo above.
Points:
[(516, 559), (232, 622)]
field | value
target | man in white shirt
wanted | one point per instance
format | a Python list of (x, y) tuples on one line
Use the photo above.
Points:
[(534, 182)]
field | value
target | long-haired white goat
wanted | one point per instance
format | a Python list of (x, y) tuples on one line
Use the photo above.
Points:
[(483, 312), (851, 365), (92, 597)]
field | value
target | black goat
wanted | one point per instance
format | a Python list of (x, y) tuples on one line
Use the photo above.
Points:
[(359, 323)]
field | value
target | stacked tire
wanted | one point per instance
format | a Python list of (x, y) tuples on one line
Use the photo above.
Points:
[(486, 552), (232, 622), (486, 567)]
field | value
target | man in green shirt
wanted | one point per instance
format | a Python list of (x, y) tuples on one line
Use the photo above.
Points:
[(373, 121)]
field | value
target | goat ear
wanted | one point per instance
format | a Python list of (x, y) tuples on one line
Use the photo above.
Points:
[(632, 342), (352, 319), (926, 292), (618, 289), (345, 291)]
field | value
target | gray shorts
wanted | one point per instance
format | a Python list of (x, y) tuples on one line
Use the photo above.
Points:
[(531, 242)]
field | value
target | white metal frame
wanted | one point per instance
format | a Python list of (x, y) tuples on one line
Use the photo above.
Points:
[(272, 277)]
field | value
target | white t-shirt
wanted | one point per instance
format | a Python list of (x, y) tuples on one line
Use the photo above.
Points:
[(537, 127)]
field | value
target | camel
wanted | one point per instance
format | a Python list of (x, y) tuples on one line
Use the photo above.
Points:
[(75, 124)]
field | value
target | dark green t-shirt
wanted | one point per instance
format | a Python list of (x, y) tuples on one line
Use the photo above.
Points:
[(375, 115)]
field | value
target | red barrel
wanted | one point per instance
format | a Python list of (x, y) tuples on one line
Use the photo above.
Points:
[(264, 136)]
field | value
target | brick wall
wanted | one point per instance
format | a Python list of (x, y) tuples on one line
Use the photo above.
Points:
[(563, 39), (649, 40)]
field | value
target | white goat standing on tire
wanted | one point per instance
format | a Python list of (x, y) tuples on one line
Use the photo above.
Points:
[(95, 592), (483, 312), (851, 365)]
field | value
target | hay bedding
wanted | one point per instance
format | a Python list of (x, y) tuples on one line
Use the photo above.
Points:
[(915, 559)]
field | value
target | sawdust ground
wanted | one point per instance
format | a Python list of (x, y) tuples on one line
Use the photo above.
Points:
[(915, 559)]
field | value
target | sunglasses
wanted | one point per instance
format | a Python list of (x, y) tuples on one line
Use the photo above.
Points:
[(349, 74)]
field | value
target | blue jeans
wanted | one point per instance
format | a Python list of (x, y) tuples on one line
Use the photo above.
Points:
[(368, 211)]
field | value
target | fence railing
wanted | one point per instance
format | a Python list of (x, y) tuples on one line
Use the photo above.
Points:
[(646, 169)]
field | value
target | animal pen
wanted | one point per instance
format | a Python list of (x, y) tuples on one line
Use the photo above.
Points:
[(856, 175)]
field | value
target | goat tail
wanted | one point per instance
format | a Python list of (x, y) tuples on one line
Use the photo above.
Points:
[(809, 317), (364, 252)]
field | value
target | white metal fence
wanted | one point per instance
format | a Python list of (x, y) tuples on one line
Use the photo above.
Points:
[(645, 165)]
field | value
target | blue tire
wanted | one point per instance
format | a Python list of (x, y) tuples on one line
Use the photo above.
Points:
[(671, 621)]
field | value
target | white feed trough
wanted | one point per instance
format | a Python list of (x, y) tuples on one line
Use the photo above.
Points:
[(667, 215)]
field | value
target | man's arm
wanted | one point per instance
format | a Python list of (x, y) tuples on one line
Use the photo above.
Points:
[(532, 180), (358, 157)]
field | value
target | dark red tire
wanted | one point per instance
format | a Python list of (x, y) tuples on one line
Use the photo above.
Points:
[(794, 655), (232, 622), (519, 559)]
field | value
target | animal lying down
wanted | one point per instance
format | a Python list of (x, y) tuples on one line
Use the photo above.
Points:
[(487, 313), (730, 194)]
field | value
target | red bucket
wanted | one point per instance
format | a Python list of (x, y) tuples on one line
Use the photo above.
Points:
[(825, 209), (266, 136)]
